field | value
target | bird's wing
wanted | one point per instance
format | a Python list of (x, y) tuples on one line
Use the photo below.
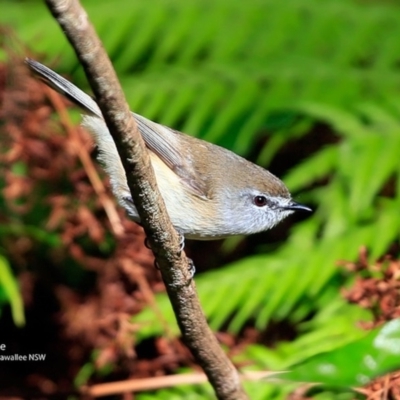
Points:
[(161, 140)]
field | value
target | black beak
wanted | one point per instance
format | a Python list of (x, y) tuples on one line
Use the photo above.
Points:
[(296, 207)]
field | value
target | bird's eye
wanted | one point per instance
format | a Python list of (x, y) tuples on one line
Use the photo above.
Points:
[(260, 201)]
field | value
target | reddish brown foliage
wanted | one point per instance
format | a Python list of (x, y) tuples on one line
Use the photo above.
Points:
[(51, 184), (377, 288)]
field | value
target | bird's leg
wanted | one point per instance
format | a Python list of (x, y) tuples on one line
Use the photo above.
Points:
[(192, 268), (181, 242)]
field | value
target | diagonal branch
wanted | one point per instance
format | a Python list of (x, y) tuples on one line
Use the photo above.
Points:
[(163, 239)]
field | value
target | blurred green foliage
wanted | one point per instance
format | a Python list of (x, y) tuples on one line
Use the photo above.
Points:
[(374, 354), (9, 292), (236, 73)]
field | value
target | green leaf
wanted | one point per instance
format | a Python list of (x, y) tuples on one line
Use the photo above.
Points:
[(10, 289), (313, 168), (356, 363)]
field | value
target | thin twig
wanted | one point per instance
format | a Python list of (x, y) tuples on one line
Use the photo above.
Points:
[(138, 385)]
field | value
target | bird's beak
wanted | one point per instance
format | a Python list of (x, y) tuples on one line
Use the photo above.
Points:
[(296, 207)]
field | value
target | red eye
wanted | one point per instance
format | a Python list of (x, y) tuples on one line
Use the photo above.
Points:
[(260, 201)]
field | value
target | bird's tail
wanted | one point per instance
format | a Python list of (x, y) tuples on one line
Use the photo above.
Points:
[(64, 87)]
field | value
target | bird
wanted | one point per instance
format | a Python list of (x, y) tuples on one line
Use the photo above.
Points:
[(210, 192)]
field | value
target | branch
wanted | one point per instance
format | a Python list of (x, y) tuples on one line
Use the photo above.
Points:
[(163, 238), (161, 382)]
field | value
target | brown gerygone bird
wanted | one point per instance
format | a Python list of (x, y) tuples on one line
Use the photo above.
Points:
[(210, 192)]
